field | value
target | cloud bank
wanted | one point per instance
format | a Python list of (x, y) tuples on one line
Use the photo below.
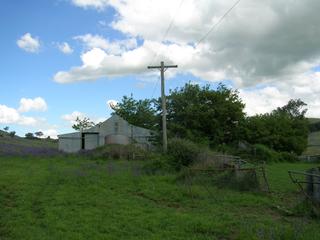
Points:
[(268, 49)]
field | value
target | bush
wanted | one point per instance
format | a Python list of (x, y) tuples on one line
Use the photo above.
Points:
[(243, 181), (157, 164), (12, 134), (263, 153), (117, 151), (182, 152), (288, 157)]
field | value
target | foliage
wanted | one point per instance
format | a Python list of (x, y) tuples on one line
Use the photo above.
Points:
[(284, 129), (12, 134), (117, 151), (182, 152), (199, 114), (242, 181), (205, 115), (157, 164), (82, 124), (38, 134), (263, 153), (6, 129), (29, 136), (216, 118), (137, 112), (288, 157)]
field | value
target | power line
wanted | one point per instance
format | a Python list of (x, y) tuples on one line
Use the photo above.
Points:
[(168, 29), (155, 87), (217, 23), (163, 38)]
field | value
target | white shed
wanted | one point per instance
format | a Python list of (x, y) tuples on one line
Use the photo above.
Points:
[(114, 130)]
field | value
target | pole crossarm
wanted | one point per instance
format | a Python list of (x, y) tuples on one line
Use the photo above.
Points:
[(165, 66)]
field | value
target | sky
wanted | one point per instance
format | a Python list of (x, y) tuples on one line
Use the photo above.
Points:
[(63, 59)]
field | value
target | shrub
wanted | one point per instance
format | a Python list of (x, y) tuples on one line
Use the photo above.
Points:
[(288, 157), (263, 153), (241, 181), (157, 163), (12, 134), (182, 152), (117, 151)]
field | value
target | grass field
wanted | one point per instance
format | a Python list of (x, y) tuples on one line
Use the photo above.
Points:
[(75, 198)]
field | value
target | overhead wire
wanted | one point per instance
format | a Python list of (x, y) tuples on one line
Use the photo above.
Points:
[(214, 26), (217, 23), (156, 54)]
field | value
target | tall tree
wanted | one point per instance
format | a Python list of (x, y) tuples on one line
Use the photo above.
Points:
[(204, 113)]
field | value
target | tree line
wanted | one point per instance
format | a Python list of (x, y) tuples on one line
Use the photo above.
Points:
[(216, 117)]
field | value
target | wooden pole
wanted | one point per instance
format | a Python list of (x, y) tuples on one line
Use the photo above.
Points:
[(163, 68)]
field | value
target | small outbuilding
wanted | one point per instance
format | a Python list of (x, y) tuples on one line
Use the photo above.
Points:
[(114, 130)]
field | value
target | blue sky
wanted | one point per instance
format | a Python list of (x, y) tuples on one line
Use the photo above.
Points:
[(26, 75), (112, 42)]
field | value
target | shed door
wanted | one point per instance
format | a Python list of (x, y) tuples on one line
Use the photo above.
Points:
[(91, 141)]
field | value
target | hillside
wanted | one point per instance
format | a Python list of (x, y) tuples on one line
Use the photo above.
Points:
[(313, 140), (313, 120), (22, 146)]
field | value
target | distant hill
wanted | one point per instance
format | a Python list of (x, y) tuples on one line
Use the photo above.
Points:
[(22, 146), (313, 120), (313, 140)]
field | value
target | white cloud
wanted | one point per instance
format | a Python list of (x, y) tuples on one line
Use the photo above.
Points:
[(65, 48), (12, 116), (96, 63), (115, 48), (52, 133), (97, 4), (36, 104), (247, 47), (71, 118), (29, 43), (276, 48), (8, 115), (93, 58), (265, 99)]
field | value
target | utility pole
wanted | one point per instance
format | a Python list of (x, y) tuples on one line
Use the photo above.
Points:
[(163, 68)]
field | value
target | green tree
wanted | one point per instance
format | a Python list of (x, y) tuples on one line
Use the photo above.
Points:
[(6, 129), (141, 113), (284, 129), (29, 135), (38, 134), (205, 114), (12, 134), (82, 124)]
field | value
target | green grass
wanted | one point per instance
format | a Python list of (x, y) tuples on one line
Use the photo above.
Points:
[(69, 198)]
